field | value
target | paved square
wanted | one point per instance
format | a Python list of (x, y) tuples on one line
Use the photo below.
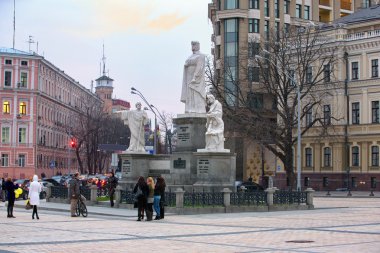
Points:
[(337, 225)]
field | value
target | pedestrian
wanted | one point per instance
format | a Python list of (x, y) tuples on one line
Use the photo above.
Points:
[(149, 208), (10, 187), (112, 183), (2, 182), (74, 193), (162, 183), (141, 193), (157, 198), (34, 195)]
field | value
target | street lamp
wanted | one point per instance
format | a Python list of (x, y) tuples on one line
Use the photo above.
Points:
[(138, 93), (298, 116)]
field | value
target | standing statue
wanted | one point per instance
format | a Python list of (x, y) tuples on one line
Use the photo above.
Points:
[(214, 125), (193, 84), (136, 120)]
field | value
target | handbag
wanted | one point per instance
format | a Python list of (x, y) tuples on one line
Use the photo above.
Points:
[(28, 206)]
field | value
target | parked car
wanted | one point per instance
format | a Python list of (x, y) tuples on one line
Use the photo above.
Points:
[(249, 187), (52, 181)]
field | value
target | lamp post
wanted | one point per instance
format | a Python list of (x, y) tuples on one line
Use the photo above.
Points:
[(298, 116), (138, 93)]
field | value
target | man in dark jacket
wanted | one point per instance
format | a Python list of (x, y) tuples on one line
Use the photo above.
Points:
[(10, 187), (112, 183), (74, 193)]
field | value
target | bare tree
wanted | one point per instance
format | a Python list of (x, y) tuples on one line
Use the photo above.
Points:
[(166, 124), (260, 98)]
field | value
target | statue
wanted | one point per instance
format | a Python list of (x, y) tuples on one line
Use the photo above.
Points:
[(135, 119), (214, 125), (193, 84)]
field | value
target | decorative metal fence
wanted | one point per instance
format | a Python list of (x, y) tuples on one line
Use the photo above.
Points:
[(102, 192), (248, 198), (287, 197), (203, 199), (127, 197), (170, 199), (59, 192), (86, 192)]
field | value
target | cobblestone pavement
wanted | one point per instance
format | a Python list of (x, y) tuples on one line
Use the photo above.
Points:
[(336, 225)]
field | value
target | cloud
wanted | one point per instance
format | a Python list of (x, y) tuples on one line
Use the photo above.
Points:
[(100, 18)]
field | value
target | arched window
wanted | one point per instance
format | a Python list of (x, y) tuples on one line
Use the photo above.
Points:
[(308, 157), (355, 156)]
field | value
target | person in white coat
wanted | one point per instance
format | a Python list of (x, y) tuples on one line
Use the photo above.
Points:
[(34, 195)]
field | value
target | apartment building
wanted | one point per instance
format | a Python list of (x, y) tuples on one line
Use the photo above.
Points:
[(37, 100), (236, 23)]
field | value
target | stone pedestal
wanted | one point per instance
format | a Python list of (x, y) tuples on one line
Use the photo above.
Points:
[(191, 129), (215, 170)]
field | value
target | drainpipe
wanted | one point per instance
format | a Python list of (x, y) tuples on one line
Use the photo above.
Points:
[(346, 144)]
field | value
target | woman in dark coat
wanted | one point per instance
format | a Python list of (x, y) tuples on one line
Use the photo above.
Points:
[(10, 188), (141, 191), (162, 186)]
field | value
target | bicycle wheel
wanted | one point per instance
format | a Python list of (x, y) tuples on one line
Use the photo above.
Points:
[(77, 209), (83, 210)]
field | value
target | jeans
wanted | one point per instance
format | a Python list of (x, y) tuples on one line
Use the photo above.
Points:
[(156, 205)]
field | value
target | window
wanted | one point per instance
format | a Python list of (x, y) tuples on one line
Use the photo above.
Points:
[(356, 113), (21, 160), (5, 134), (327, 157), (375, 155), (292, 75), (375, 112), (231, 4), (253, 49), (266, 29), (22, 108), (326, 114), (326, 73), (354, 70), (286, 6), (24, 63), (4, 160), (6, 107), (8, 62), (306, 12), (253, 74), (254, 25), (266, 8), (22, 135), (7, 78), (355, 156), (23, 79), (309, 116), (255, 100), (375, 68), (308, 157), (298, 10), (309, 74), (254, 4), (276, 9)]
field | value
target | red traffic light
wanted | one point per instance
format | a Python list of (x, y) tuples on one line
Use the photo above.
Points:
[(73, 143)]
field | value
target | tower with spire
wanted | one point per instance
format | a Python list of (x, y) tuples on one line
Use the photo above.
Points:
[(104, 87)]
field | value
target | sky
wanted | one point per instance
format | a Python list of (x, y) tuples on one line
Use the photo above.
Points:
[(146, 41)]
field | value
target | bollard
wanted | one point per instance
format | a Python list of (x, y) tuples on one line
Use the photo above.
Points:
[(179, 193), (118, 196), (226, 196), (94, 195), (270, 192), (309, 197), (48, 193)]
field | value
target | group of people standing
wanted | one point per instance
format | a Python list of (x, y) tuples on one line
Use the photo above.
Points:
[(33, 196), (149, 194)]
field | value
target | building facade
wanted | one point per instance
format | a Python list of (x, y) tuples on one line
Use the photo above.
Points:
[(38, 100), (236, 24)]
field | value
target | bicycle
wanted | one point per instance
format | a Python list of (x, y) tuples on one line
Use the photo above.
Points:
[(81, 207)]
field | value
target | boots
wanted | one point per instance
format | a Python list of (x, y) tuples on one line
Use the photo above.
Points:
[(162, 211), (149, 215)]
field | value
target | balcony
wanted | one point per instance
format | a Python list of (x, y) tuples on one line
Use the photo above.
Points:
[(235, 13)]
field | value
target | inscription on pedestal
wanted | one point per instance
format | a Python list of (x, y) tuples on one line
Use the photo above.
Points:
[(203, 166), (179, 164), (183, 134), (126, 166)]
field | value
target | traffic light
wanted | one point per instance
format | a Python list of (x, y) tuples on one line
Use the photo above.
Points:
[(73, 143)]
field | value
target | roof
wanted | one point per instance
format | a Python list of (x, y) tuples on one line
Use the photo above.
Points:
[(112, 147), (104, 78), (362, 15), (13, 51)]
